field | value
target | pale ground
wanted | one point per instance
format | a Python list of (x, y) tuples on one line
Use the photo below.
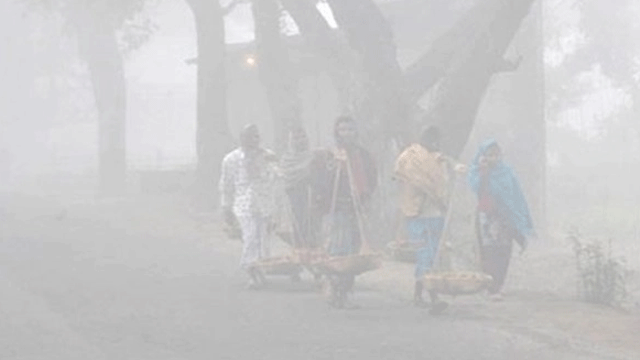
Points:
[(48, 306)]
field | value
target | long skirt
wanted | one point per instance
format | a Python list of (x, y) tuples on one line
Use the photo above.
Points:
[(496, 237), (306, 224), (345, 234), (424, 233), (256, 238), (345, 240)]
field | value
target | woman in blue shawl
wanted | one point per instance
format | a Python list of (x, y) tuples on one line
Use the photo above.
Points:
[(503, 214)]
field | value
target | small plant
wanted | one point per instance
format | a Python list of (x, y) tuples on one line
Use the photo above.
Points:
[(602, 278)]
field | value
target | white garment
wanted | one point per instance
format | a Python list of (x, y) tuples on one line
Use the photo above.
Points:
[(256, 238), (248, 185)]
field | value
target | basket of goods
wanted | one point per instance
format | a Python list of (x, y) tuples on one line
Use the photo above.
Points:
[(402, 251), (457, 282), (348, 262), (282, 265), (457, 260)]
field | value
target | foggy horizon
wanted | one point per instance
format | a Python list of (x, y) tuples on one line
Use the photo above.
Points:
[(141, 217)]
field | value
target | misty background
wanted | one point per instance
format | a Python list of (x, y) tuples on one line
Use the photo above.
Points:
[(565, 114), (116, 114)]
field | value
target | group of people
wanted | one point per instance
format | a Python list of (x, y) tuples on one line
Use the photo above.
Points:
[(335, 186)]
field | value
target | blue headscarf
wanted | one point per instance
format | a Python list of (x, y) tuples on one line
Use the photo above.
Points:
[(504, 186)]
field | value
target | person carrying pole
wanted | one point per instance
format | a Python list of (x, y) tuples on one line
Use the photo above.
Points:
[(424, 175)]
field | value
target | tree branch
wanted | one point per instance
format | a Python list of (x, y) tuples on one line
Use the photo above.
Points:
[(313, 26), (465, 84), (456, 43), (226, 10), (371, 36), (506, 66)]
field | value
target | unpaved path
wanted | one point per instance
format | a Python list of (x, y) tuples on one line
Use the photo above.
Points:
[(148, 279)]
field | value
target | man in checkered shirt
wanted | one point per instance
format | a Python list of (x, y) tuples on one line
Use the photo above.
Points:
[(248, 194)]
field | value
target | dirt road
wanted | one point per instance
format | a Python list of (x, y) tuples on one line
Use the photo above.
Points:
[(146, 279)]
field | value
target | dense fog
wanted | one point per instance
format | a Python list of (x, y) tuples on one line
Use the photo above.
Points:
[(125, 155)]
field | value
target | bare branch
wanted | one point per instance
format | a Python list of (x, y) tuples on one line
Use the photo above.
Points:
[(232, 5), (505, 65)]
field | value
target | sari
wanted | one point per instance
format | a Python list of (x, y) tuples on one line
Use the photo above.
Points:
[(298, 182)]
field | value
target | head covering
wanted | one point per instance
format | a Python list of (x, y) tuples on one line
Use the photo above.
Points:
[(504, 187), (360, 164), (422, 169), (341, 120), (295, 165), (247, 132)]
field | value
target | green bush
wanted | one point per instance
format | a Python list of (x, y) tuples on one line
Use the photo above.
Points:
[(602, 278)]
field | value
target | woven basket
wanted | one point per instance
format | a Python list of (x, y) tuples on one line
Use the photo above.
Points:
[(310, 256), (351, 264), (284, 265), (402, 252), (457, 283)]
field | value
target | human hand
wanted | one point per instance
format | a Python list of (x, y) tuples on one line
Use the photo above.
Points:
[(341, 155), (523, 249), (460, 168), (524, 244), (483, 162), (229, 216)]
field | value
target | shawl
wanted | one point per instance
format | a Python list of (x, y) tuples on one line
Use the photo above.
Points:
[(422, 169), (505, 188), (364, 173), (295, 167)]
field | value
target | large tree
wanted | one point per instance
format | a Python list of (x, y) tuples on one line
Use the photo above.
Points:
[(98, 26), (98, 46), (213, 137), (384, 103), (275, 69), (457, 67), (462, 88), (323, 41)]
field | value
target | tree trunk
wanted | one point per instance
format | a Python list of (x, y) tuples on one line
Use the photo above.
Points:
[(313, 27), (321, 39), (98, 46), (462, 61), (275, 70), (433, 65), (462, 90), (384, 109), (213, 137)]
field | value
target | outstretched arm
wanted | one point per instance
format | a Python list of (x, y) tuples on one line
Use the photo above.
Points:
[(226, 186), (371, 170)]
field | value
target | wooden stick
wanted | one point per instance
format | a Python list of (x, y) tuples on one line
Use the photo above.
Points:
[(334, 199), (357, 207)]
